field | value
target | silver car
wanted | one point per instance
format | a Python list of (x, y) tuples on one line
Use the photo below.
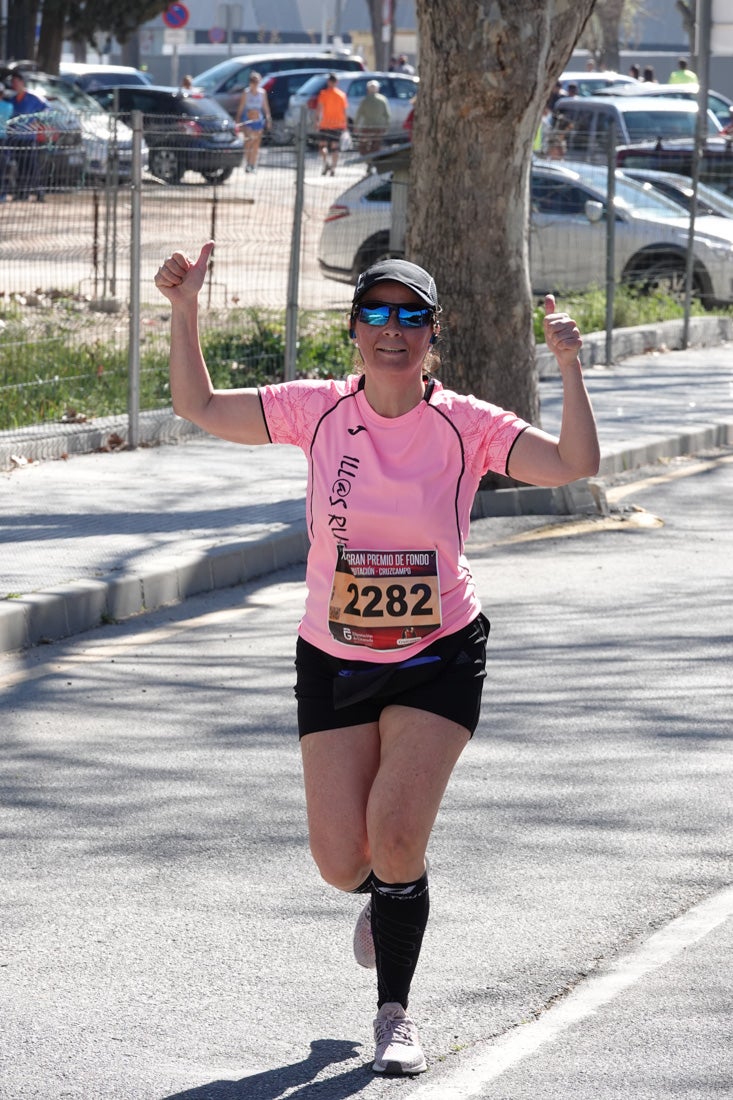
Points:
[(585, 122), (567, 235), (226, 81), (679, 188), (718, 103), (399, 90)]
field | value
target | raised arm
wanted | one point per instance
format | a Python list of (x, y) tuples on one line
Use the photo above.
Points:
[(542, 459), (231, 414)]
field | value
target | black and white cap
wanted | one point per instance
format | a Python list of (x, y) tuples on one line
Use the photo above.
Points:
[(398, 271)]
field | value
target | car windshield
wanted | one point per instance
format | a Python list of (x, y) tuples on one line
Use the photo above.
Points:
[(637, 199), (634, 198), (212, 78), (646, 125), (313, 85), (71, 94), (679, 190)]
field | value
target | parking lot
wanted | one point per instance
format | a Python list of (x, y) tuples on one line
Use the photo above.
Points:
[(78, 242)]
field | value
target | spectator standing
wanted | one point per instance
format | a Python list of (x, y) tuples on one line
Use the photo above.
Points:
[(332, 123), (634, 72), (682, 74), (371, 121), (648, 75), (544, 131), (27, 106), (404, 66), (255, 107), (557, 93), (555, 146)]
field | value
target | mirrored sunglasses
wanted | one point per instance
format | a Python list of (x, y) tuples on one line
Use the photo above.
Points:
[(407, 316)]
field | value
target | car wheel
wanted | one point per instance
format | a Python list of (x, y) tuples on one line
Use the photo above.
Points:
[(164, 164), (665, 275), (373, 249), (217, 175), (280, 134)]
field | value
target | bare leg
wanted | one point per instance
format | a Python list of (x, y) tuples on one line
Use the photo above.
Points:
[(339, 767)]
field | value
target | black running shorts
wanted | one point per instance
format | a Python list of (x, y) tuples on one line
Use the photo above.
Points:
[(446, 678)]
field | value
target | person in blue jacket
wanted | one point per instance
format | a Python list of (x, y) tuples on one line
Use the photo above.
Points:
[(26, 107)]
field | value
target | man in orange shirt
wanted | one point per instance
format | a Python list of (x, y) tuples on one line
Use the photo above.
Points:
[(332, 122)]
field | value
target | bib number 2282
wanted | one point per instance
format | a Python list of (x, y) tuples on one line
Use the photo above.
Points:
[(384, 599)]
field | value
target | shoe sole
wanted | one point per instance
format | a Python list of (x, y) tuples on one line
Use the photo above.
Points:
[(394, 1069)]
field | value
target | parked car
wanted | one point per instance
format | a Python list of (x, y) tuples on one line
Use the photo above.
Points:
[(56, 136), (679, 189), (398, 88), (184, 132), (226, 81), (107, 142), (719, 104), (92, 78), (716, 160), (590, 83), (567, 235), (585, 123), (279, 87)]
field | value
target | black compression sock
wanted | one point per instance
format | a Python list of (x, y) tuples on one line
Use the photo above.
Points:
[(399, 917), (366, 886)]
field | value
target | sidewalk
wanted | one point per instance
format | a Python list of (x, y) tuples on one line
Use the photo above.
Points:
[(106, 536)]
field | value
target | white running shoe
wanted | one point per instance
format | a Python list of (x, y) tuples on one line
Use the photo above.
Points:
[(363, 939), (398, 1047)]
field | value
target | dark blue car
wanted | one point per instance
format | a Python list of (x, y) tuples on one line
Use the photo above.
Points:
[(183, 131)]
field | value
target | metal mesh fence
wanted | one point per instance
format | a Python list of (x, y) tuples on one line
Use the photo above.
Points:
[(285, 238), (66, 260)]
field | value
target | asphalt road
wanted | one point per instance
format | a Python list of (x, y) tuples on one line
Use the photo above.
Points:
[(165, 934)]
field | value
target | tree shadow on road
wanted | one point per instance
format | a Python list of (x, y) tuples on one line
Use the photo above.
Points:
[(274, 1083)]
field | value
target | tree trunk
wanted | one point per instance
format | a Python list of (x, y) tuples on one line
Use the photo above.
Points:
[(486, 70), (21, 30), (609, 14), (382, 50), (51, 38), (131, 51)]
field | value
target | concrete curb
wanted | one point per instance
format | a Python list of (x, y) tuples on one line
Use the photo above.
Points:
[(72, 608), (641, 339), (45, 442)]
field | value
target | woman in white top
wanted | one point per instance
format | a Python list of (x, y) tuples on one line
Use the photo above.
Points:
[(253, 112)]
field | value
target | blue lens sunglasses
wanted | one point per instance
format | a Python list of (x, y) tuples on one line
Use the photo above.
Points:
[(378, 314)]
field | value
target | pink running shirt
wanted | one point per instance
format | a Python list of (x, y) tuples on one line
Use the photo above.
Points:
[(388, 491)]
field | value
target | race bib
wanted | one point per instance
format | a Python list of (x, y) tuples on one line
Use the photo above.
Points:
[(384, 599)]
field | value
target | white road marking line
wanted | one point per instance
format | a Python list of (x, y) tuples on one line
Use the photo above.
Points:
[(491, 1062)]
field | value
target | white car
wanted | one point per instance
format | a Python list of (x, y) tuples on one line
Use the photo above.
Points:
[(94, 77), (591, 83), (107, 143), (567, 235), (399, 90), (718, 103), (679, 189)]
